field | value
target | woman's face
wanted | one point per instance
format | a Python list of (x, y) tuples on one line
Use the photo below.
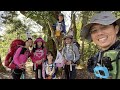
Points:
[(27, 44), (31, 42), (104, 36), (68, 40)]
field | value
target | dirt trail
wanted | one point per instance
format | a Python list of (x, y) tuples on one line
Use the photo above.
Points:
[(81, 73)]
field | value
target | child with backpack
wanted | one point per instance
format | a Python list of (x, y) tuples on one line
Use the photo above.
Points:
[(19, 59), (71, 55), (38, 55), (48, 70)]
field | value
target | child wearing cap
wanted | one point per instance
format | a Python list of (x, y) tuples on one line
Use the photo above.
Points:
[(38, 55)]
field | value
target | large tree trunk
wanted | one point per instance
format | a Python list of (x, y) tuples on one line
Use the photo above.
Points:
[(50, 23), (73, 24), (51, 42), (84, 22), (51, 46)]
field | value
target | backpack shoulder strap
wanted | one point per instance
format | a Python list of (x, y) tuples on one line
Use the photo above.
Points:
[(64, 51), (22, 50), (117, 64), (117, 61)]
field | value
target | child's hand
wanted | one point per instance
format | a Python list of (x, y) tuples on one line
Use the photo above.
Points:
[(38, 62), (49, 77)]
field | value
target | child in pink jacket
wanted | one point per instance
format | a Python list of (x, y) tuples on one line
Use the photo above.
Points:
[(38, 55), (20, 57)]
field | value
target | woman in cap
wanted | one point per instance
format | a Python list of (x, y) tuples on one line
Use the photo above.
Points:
[(71, 54), (20, 58), (103, 30)]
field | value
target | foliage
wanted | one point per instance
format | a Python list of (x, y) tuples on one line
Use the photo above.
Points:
[(16, 29)]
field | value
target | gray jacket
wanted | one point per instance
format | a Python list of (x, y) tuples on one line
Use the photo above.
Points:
[(71, 53)]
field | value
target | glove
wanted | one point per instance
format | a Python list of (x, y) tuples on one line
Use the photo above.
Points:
[(107, 62), (91, 64)]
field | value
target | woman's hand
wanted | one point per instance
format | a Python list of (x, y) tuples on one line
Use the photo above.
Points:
[(22, 66), (65, 61), (68, 62)]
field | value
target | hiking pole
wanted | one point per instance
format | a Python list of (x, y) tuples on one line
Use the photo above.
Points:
[(68, 47), (39, 76), (23, 74), (73, 60), (70, 67), (39, 72), (34, 66)]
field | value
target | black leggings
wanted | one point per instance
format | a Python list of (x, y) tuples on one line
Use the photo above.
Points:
[(39, 68), (16, 73), (70, 74)]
